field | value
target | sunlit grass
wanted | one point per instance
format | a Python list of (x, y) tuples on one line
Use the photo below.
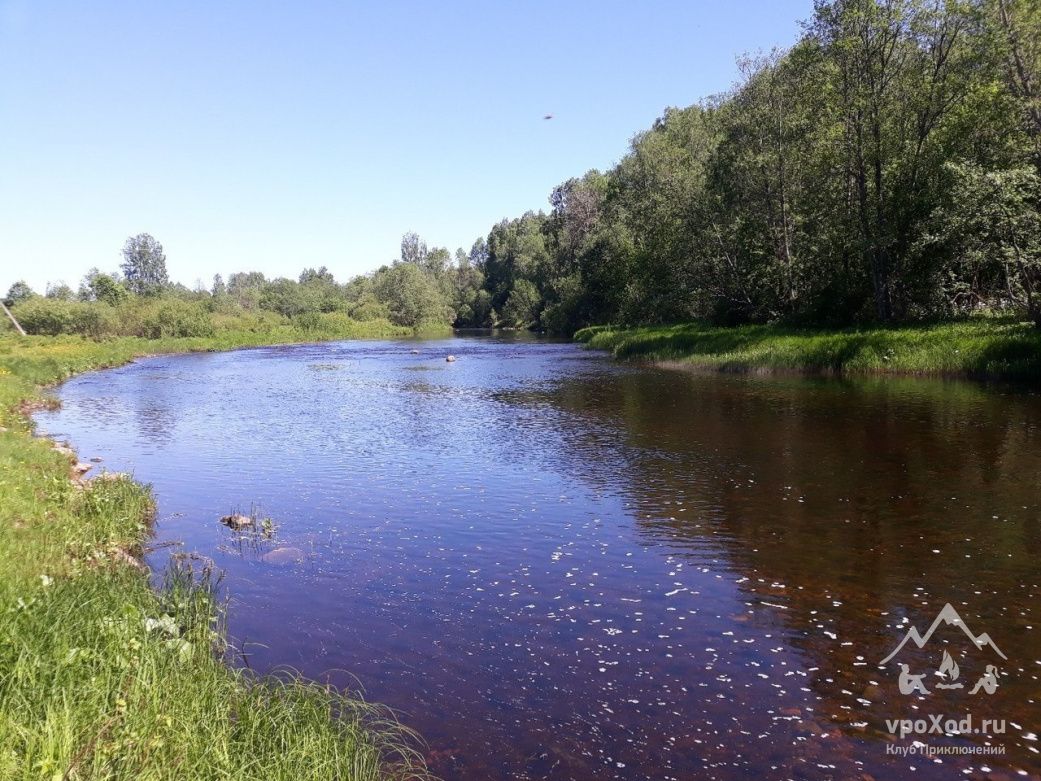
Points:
[(102, 676), (985, 348)]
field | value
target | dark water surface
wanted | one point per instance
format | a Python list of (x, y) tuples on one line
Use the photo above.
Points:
[(555, 566)]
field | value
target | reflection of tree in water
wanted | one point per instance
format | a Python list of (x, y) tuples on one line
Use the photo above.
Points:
[(852, 504)]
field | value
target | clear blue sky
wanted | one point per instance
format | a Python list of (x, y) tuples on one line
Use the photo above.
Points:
[(276, 135)]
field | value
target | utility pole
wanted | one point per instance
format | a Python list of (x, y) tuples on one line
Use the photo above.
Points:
[(13, 321)]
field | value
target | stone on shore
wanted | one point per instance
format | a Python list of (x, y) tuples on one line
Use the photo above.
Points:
[(110, 477)]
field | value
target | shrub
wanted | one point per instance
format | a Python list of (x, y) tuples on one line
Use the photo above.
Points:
[(369, 309), (43, 315), (257, 321), (170, 317)]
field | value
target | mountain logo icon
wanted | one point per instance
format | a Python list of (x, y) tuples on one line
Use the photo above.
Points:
[(948, 616)]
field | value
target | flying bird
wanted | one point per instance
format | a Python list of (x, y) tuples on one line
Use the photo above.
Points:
[(548, 116)]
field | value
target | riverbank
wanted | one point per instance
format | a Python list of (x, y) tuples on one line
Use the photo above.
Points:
[(984, 349), (102, 675)]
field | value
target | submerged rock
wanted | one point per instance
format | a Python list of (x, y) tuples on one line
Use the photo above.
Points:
[(237, 521), (283, 556), (450, 358)]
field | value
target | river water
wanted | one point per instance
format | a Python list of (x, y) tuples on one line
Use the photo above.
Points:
[(556, 566)]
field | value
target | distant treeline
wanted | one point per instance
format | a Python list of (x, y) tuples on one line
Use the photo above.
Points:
[(422, 291), (886, 168)]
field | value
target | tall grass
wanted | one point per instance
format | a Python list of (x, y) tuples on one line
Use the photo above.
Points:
[(103, 676), (985, 348)]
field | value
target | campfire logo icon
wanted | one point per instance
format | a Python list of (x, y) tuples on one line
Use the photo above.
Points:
[(948, 670)]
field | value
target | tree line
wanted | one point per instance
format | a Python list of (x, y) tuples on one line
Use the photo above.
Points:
[(427, 288), (886, 168)]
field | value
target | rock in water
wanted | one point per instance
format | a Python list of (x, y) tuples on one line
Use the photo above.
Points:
[(237, 521), (450, 358), (283, 556)]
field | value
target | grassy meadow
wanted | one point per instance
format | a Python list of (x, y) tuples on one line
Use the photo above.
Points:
[(984, 348), (104, 676)]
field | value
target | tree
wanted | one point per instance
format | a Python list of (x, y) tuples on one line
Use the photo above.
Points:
[(97, 286), (522, 306), (59, 291), (18, 292), (413, 249), (659, 193), (516, 249), (1019, 23), (437, 261), (992, 229), (411, 296), (577, 204), (903, 71), (287, 298), (321, 276), (245, 287), (219, 289), (144, 265)]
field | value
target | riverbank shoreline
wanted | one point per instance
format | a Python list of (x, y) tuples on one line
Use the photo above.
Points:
[(984, 349), (102, 674)]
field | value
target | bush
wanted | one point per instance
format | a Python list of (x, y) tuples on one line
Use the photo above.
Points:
[(257, 321), (308, 321), (169, 317), (369, 309), (50, 317)]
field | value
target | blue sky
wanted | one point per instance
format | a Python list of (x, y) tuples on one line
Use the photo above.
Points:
[(273, 136)]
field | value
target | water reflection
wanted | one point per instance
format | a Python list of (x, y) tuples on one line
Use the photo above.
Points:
[(858, 508), (559, 567)]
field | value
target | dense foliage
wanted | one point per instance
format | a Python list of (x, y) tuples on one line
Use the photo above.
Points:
[(887, 168)]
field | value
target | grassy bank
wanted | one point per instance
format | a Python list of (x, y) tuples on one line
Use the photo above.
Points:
[(102, 676), (984, 348)]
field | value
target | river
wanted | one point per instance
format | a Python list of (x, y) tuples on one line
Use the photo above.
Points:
[(556, 566)]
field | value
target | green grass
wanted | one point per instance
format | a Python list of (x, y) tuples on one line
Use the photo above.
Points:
[(103, 676), (983, 348)]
